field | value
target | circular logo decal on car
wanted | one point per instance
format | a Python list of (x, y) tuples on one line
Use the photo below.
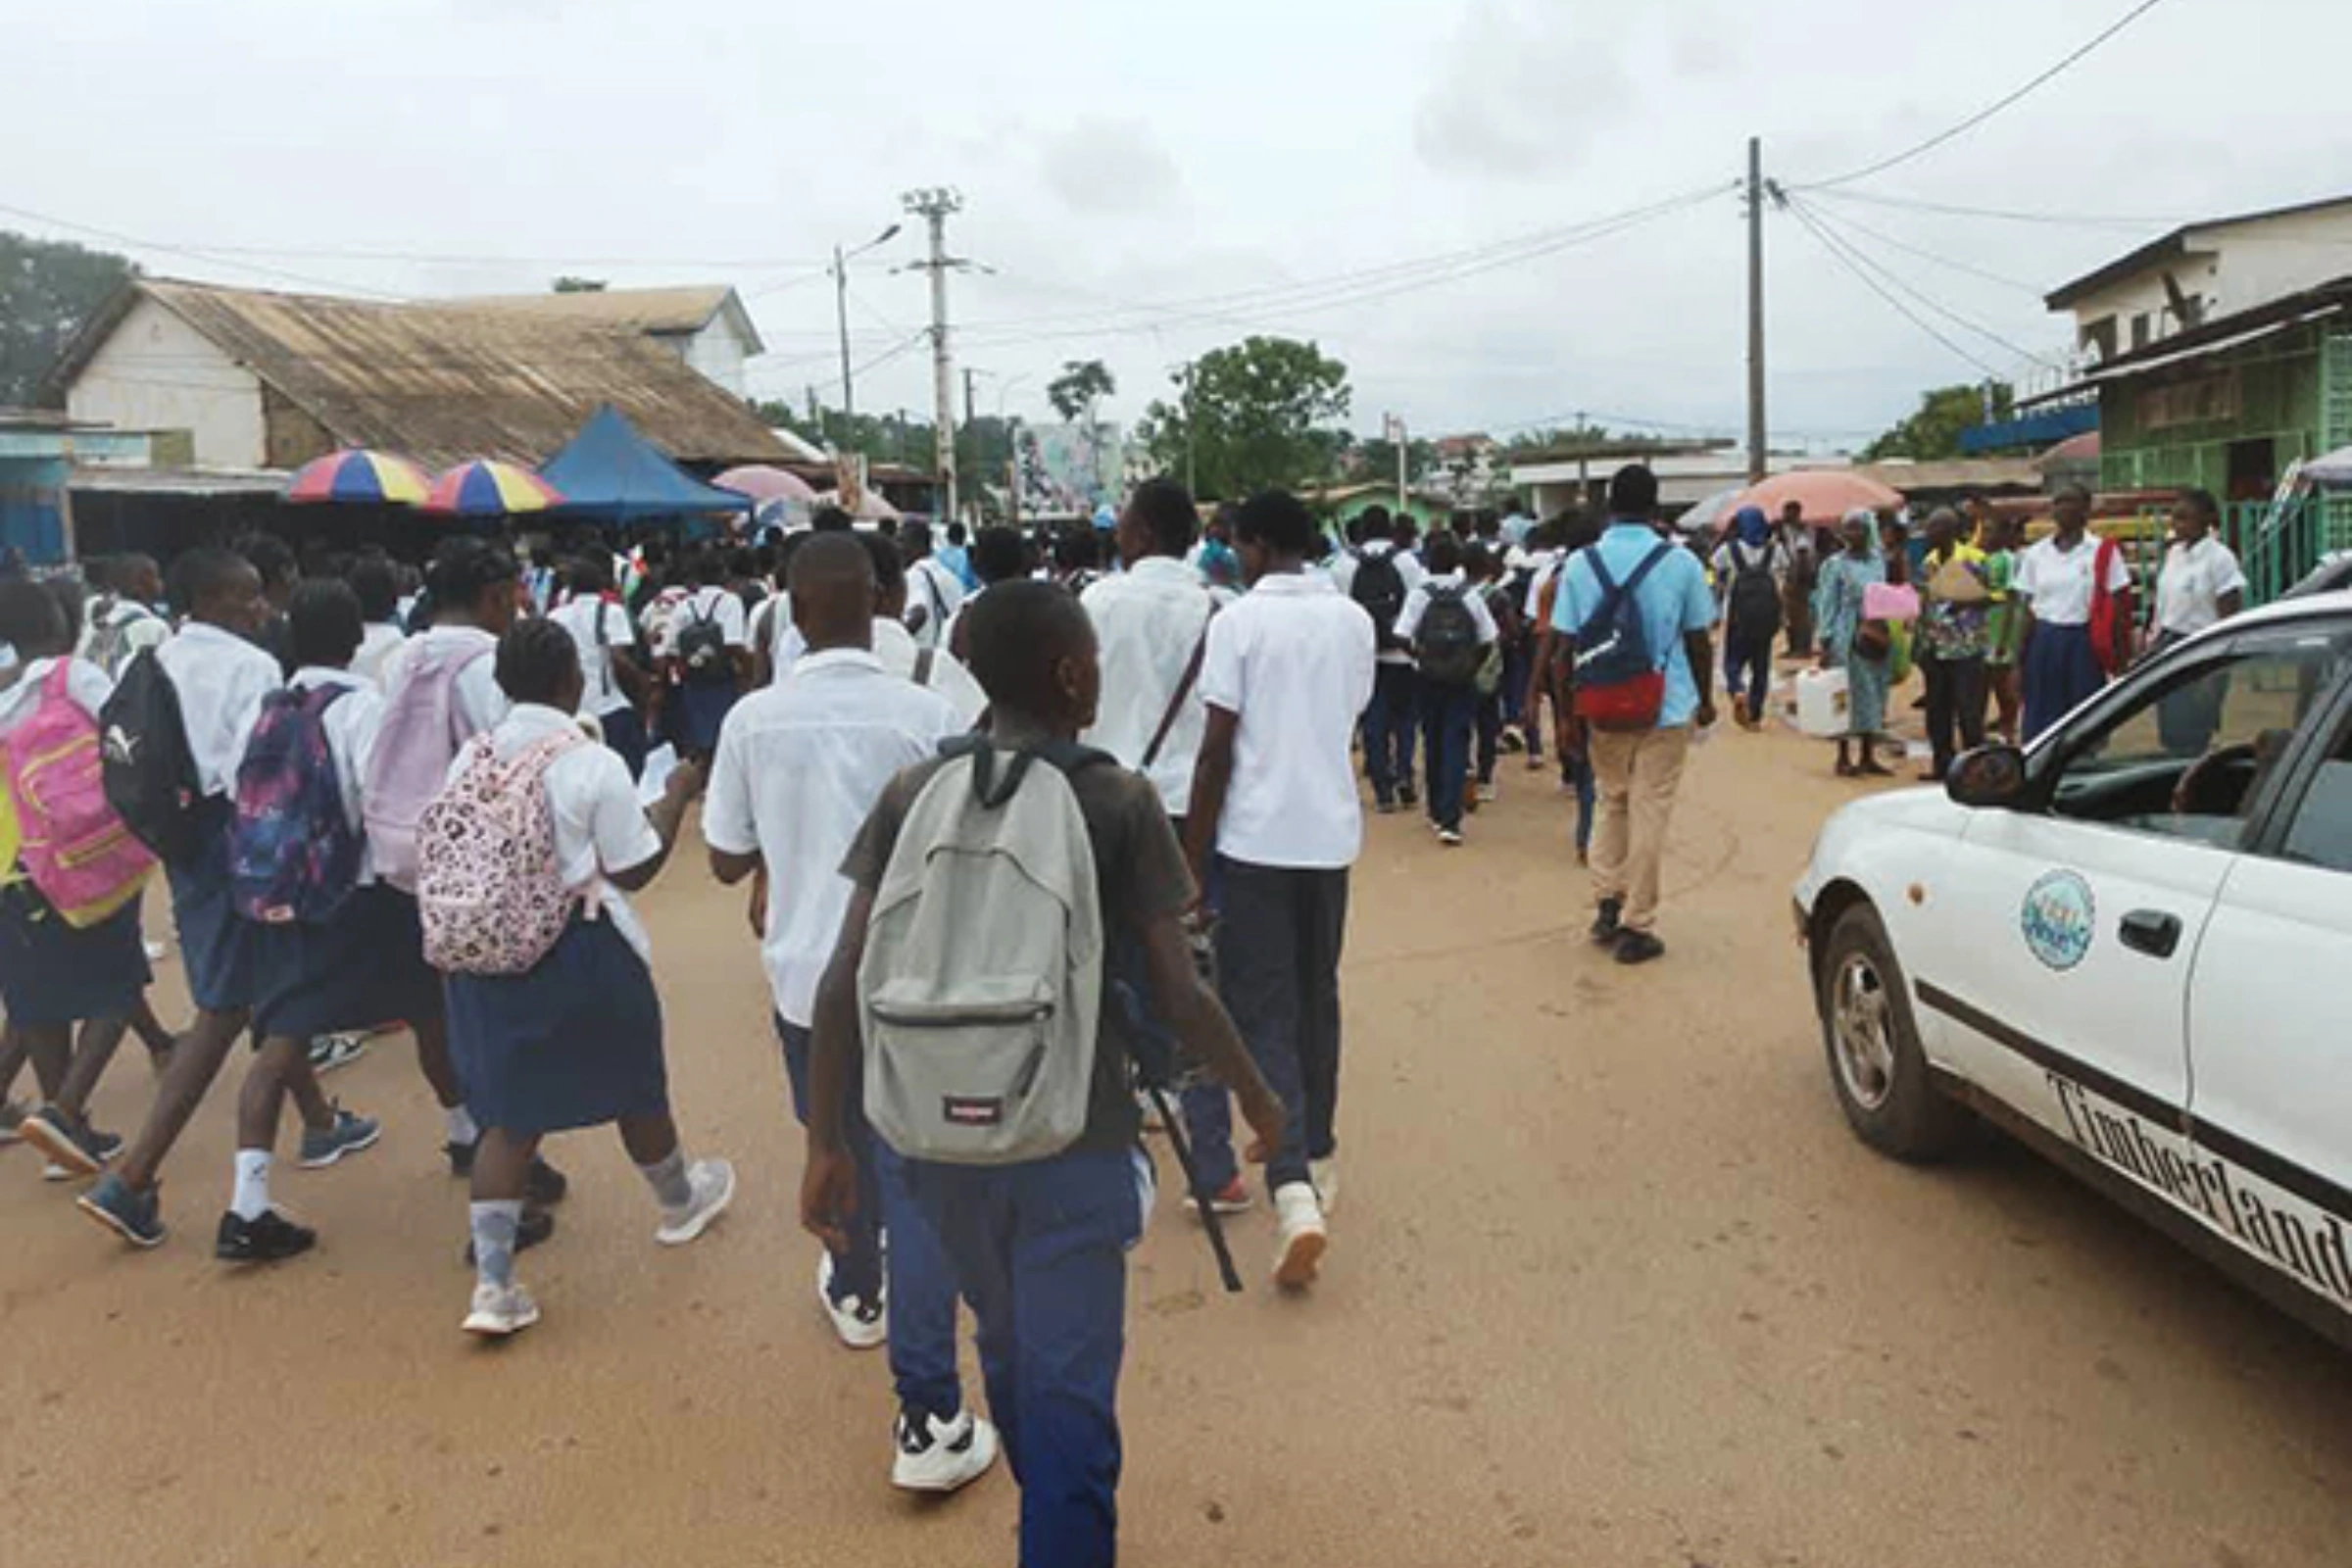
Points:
[(2058, 919)]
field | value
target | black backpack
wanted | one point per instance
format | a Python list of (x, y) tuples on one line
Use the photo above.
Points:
[(1379, 587), (1447, 638), (148, 771), (1754, 609), (702, 649)]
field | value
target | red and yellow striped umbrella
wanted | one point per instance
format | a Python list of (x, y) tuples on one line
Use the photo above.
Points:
[(487, 488), (356, 474)]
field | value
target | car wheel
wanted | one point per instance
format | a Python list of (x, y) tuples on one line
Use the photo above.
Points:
[(1876, 1063)]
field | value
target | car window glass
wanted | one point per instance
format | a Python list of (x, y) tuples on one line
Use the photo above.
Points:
[(2192, 756), (2322, 832)]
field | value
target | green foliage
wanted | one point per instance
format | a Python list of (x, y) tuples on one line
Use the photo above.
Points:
[(983, 445), (1081, 385), (48, 289), (1933, 431), (1375, 458), (1250, 416)]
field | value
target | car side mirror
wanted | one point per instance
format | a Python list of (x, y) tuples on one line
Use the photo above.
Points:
[(1990, 776)]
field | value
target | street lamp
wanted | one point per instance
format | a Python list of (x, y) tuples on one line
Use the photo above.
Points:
[(841, 311)]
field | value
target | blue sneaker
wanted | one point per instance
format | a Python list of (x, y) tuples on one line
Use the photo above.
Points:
[(348, 1134), (136, 1217)]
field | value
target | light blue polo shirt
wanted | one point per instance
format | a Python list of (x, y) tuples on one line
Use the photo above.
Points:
[(1674, 600)]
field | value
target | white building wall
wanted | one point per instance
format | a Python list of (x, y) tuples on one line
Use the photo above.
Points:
[(716, 350), (156, 373), (2231, 268)]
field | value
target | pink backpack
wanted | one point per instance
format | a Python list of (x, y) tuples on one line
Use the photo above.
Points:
[(421, 731), (75, 847), (488, 890)]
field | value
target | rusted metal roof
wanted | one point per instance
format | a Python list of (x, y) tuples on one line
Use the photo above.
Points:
[(441, 384), (686, 308)]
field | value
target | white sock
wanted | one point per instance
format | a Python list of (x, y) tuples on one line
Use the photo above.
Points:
[(457, 1123), (672, 1189), (250, 1199)]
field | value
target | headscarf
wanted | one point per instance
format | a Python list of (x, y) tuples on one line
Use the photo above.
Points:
[(1754, 526)]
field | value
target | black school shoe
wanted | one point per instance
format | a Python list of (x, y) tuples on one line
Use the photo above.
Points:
[(1638, 947), (1605, 927), (535, 1226), (267, 1240)]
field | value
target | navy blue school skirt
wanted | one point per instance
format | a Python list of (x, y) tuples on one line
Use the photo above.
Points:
[(2061, 672), (576, 1043), (50, 973), (624, 733), (219, 946), (701, 710), (364, 967)]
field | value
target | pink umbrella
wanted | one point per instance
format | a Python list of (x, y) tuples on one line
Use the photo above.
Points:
[(1825, 494), (763, 483)]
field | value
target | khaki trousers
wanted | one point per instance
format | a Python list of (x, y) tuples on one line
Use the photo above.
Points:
[(1637, 773)]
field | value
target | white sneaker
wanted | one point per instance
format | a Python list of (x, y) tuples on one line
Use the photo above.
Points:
[(1300, 1236), (713, 1184), (1488, 795), (1324, 1174), (1451, 838), (862, 1325), (501, 1311), (945, 1455)]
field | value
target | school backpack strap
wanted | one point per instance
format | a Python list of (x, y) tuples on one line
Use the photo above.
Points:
[(925, 660), (1184, 688)]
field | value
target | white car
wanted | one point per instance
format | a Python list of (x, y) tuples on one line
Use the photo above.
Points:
[(2130, 944)]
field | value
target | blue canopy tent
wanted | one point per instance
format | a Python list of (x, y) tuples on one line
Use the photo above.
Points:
[(611, 473)]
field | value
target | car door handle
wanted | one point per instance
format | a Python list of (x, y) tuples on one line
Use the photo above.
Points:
[(2152, 932)]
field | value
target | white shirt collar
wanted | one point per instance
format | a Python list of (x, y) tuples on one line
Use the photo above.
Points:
[(1294, 582), (325, 675), (538, 718), (1153, 568), (835, 658)]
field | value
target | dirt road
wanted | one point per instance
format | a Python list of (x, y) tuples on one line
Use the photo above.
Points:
[(1610, 1284)]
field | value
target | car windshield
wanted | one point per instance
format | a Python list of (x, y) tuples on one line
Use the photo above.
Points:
[(2190, 756)]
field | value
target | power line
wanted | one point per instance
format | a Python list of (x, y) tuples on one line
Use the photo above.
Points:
[(216, 259), (1827, 243), (2002, 215), (1347, 290), (1989, 111), (1931, 257), (1944, 311)]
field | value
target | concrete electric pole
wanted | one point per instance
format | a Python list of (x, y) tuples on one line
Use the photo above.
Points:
[(1757, 458), (933, 205), (841, 320)]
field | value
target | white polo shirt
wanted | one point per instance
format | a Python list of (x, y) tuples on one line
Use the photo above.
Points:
[(1410, 571), (1292, 662), (894, 645), (799, 766), (1416, 605), (351, 726), (86, 687), (2057, 582), (221, 679), (377, 644), (722, 606), (599, 693), (481, 702), (599, 826), (936, 591), (1148, 621), (2190, 589)]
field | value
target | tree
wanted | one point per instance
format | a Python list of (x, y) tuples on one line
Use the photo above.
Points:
[(1249, 418), (1375, 458), (568, 284), (48, 291), (1081, 385), (1933, 431)]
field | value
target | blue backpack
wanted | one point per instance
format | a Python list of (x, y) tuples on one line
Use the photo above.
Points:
[(293, 854), (1620, 681)]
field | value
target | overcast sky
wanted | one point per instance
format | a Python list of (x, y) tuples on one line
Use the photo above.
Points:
[(1143, 176)]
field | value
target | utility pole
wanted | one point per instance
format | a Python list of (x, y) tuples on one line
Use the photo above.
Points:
[(841, 320), (1757, 459), (1395, 430), (970, 429), (934, 206)]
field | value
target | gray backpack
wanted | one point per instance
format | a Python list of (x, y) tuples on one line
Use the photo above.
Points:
[(982, 982)]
